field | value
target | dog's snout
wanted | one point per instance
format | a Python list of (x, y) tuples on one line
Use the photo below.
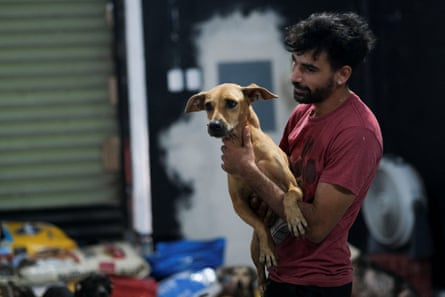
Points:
[(217, 128), (216, 125)]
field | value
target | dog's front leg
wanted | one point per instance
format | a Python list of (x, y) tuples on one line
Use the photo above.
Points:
[(277, 169), (295, 220)]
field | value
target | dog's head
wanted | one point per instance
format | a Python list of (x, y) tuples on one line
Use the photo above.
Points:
[(227, 106), (237, 281)]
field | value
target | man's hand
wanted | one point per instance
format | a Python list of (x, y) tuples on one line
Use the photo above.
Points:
[(238, 159), (262, 210)]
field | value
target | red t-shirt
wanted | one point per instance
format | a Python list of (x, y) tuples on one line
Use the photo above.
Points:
[(343, 148)]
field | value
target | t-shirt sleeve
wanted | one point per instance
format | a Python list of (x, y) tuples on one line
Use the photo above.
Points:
[(352, 159)]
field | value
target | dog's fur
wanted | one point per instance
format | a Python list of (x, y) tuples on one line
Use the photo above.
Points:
[(58, 291), (94, 285), (229, 110), (237, 281)]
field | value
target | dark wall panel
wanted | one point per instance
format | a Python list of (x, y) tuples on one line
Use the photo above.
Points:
[(408, 89)]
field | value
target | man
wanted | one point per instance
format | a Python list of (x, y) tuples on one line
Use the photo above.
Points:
[(334, 145)]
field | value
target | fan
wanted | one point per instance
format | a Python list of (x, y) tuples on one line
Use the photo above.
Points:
[(388, 209)]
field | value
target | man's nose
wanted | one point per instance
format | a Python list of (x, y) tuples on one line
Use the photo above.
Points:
[(296, 74)]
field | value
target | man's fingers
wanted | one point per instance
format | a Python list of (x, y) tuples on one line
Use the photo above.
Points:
[(258, 205), (262, 210), (247, 141), (254, 201), (270, 218)]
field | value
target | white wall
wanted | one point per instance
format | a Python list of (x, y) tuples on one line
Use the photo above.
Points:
[(194, 157)]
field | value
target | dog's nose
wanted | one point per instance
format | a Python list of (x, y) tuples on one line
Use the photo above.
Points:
[(216, 128)]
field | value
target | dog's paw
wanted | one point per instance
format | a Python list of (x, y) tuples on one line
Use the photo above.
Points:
[(297, 229), (296, 222), (267, 257)]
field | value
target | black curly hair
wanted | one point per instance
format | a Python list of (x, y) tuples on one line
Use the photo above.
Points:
[(345, 37)]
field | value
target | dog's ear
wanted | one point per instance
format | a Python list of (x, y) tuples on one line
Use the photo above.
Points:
[(196, 102), (255, 92)]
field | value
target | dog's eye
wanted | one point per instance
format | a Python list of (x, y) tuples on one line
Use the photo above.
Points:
[(231, 103), (208, 106)]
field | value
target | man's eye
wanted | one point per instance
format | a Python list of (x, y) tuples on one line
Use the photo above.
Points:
[(208, 106), (231, 103), (309, 68)]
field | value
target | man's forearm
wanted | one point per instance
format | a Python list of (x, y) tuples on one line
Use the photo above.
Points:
[(266, 189), (273, 195)]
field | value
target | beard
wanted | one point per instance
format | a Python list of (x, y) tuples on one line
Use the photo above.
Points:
[(303, 94)]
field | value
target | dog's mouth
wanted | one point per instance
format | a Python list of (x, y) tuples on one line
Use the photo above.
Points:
[(218, 129)]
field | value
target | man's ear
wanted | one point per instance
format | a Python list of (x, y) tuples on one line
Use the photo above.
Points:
[(196, 102), (343, 74)]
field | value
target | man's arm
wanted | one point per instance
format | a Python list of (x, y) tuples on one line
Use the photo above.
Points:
[(240, 161), (330, 201), (329, 205)]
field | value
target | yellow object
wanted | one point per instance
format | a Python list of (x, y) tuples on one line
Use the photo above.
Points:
[(33, 237)]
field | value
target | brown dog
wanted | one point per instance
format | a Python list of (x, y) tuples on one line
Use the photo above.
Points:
[(229, 110), (237, 281)]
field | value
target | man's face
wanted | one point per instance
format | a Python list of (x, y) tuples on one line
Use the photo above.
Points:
[(312, 78)]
